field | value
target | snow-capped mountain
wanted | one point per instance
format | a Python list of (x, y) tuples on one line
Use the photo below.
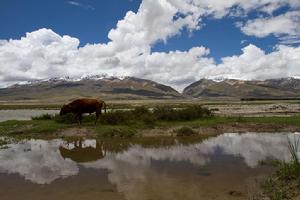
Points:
[(100, 86), (232, 88)]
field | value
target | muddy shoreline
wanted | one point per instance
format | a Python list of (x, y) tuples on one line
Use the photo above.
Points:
[(200, 130)]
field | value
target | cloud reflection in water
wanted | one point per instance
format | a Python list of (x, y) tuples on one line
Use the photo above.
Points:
[(41, 162)]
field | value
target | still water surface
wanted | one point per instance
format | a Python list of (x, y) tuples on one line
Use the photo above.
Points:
[(222, 167), (23, 114)]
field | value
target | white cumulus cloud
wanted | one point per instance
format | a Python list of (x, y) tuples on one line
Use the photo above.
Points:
[(254, 63), (45, 54), (285, 24)]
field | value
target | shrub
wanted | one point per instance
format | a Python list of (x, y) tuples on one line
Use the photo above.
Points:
[(89, 118), (148, 119), (46, 116), (188, 113), (142, 114), (115, 117), (164, 113), (139, 111), (68, 118), (185, 131)]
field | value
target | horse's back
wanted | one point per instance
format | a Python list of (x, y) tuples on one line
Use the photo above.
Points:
[(85, 101), (85, 105)]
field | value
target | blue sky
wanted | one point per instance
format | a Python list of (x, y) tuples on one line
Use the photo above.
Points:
[(91, 21), (235, 30)]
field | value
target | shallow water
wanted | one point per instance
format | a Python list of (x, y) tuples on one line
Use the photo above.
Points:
[(222, 167), (23, 114), (26, 114)]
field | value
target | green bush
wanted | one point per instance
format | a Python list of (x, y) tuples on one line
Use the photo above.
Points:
[(140, 111), (141, 114), (148, 119), (46, 116), (115, 117), (188, 113), (67, 119), (164, 113)]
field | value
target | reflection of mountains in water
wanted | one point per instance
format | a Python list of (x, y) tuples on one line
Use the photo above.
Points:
[(42, 161)]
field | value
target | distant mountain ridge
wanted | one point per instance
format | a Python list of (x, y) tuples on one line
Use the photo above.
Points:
[(62, 89), (122, 88), (232, 88)]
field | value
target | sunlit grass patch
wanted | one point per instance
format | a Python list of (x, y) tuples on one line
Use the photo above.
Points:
[(33, 128)]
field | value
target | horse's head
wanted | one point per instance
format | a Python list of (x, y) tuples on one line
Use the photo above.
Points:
[(64, 110)]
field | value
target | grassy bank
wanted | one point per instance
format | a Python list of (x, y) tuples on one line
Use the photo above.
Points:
[(284, 184), (128, 123)]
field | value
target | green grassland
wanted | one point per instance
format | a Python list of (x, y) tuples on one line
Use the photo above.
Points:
[(129, 123)]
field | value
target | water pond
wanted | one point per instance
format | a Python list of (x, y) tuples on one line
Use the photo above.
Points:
[(26, 114), (222, 167), (23, 114)]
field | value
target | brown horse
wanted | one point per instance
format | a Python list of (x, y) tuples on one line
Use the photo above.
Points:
[(80, 106)]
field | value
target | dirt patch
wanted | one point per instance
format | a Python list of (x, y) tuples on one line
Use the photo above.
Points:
[(256, 110), (223, 128), (256, 127)]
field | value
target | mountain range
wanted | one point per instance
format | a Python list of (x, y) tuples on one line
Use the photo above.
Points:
[(65, 89), (232, 88), (62, 89)]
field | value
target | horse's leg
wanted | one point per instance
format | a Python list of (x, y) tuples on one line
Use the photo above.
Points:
[(97, 117), (80, 118), (98, 113), (76, 118)]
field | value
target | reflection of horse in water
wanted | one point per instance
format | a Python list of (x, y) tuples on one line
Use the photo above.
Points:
[(83, 150), (80, 106), (91, 150)]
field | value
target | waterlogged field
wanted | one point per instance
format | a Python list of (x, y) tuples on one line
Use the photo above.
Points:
[(152, 152), (229, 166)]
